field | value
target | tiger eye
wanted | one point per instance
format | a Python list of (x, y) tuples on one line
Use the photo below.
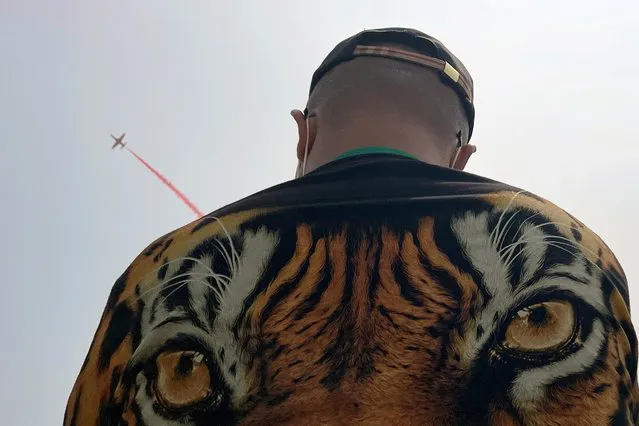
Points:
[(184, 379), (541, 327)]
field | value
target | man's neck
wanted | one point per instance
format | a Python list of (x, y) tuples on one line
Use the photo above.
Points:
[(329, 147)]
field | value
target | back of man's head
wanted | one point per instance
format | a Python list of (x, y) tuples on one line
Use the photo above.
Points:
[(381, 93), (393, 88)]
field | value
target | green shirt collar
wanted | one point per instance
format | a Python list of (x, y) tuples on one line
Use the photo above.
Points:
[(373, 150)]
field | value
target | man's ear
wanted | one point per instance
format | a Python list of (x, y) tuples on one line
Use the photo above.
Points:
[(463, 154), (300, 122)]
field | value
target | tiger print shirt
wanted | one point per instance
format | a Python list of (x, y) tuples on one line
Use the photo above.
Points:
[(375, 290)]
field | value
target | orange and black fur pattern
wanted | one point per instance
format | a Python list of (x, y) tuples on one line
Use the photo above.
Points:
[(497, 309)]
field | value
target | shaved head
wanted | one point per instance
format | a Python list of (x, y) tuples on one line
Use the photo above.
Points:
[(385, 94), (376, 90)]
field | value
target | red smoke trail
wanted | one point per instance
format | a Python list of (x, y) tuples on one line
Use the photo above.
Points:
[(169, 184)]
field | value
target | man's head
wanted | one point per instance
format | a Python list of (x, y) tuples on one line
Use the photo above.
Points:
[(395, 88)]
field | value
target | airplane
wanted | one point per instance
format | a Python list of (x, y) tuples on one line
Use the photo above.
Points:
[(118, 141)]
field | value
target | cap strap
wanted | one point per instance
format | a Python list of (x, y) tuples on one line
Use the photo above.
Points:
[(427, 61)]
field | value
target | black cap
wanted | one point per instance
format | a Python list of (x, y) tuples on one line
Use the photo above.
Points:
[(432, 54)]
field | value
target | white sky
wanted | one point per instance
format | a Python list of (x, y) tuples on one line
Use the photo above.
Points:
[(203, 89)]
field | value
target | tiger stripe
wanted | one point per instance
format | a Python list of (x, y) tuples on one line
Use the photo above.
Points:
[(307, 316)]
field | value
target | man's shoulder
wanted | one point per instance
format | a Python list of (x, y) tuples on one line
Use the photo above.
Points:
[(358, 184), (370, 179), (462, 208), (359, 194)]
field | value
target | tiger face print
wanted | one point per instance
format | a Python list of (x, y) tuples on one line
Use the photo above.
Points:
[(501, 310)]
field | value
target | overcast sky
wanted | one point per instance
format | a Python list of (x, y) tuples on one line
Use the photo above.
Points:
[(203, 91)]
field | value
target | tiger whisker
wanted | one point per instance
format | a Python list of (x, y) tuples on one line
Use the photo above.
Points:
[(507, 251), (580, 246), (524, 222), (563, 243), (502, 234), (491, 237), (522, 238), (178, 259), (221, 249), (235, 258), (545, 241), (583, 249), (186, 282), (181, 259), (521, 225), (559, 225), (163, 284), (173, 285)]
